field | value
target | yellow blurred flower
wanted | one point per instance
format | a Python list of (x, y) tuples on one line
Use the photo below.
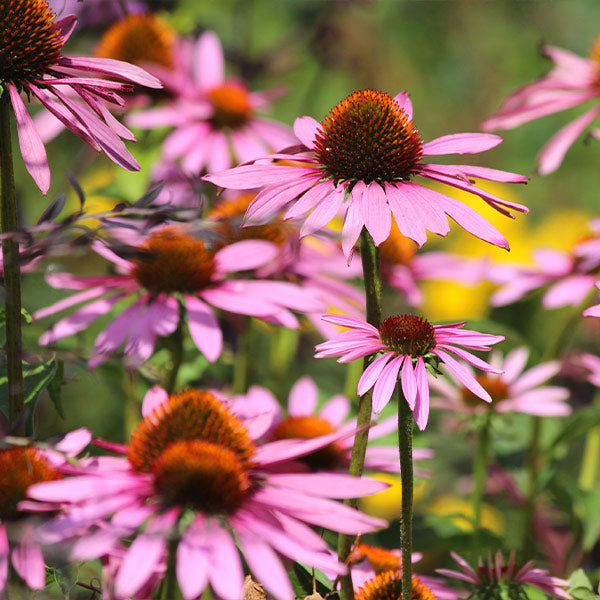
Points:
[(388, 504), (461, 511)]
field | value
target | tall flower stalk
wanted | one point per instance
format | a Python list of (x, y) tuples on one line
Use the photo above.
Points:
[(372, 278), (12, 269)]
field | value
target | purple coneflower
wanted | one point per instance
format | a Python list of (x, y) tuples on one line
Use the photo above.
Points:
[(408, 342), (572, 81), (361, 160), (31, 61), (194, 476)]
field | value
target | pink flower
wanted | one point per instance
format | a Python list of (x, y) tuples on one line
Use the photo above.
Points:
[(174, 270), (194, 475), (572, 81), (303, 421), (497, 574), (409, 342), (514, 390), (593, 311), (42, 71), (570, 276), (209, 113), (360, 161), (20, 467)]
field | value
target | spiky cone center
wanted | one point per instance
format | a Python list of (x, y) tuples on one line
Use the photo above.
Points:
[(231, 105), (329, 457), (407, 334), (29, 41), (368, 137), (202, 476), (139, 39), (397, 248), (379, 558), (229, 215), (173, 261), (492, 384), (388, 586), (192, 415), (20, 468)]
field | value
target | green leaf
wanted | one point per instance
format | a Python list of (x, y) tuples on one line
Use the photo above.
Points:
[(35, 379), (579, 579), (302, 581), (582, 593), (576, 426)]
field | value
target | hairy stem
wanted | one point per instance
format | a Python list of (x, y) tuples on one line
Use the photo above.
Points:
[(372, 278), (12, 270), (480, 463)]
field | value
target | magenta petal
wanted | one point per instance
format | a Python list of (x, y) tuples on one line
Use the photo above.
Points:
[(257, 175), (403, 100), (310, 199), (329, 485), (461, 143), (225, 572), (245, 255), (65, 26), (376, 213), (192, 563), (303, 398), (462, 374), (410, 221), (372, 372), (109, 66), (324, 212), (421, 411), (409, 383), (305, 129), (353, 225), (386, 384), (155, 397), (209, 63), (4, 554), (28, 561), (32, 147), (204, 328), (74, 442)]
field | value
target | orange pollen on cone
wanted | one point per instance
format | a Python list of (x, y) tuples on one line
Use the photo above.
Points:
[(201, 475), (407, 334), (231, 105), (379, 558), (388, 586), (229, 215), (492, 384), (192, 415), (329, 457), (20, 468), (139, 39), (29, 41), (397, 249), (368, 137), (174, 261), (595, 52)]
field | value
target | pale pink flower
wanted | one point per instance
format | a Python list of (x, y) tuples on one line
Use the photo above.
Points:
[(41, 71), (572, 81), (22, 466), (303, 420), (361, 161), (513, 390), (408, 342), (174, 270), (495, 573), (194, 476), (214, 118)]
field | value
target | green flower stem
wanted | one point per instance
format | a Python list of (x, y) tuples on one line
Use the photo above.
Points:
[(372, 277), (589, 472), (175, 345), (480, 463), (283, 355), (241, 363), (12, 269), (169, 588), (405, 439)]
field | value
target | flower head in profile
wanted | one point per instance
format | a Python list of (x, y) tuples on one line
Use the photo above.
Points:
[(193, 474), (22, 466), (405, 345), (361, 160), (302, 420), (515, 389), (490, 579), (572, 81), (172, 268), (214, 119), (31, 61)]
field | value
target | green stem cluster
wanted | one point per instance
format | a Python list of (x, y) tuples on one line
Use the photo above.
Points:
[(372, 278), (12, 271)]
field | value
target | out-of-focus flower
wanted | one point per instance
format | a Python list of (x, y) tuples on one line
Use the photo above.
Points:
[(22, 466), (572, 81), (31, 61), (194, 475), (214, 118), (361, 160), (388, 503), (304, 422), (513, 390), (461, 513), (173, 272), (409, 342), (593, 311), (100, 12), (488, 580)]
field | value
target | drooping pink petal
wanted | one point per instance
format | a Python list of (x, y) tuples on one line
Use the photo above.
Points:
[(335, 410), (204, 328), (386, 384), (303, 398), (28, 561), (192, 562), (225, 569), (209, 63), (353, 224), (376, 213), (258, 175), (421, 411), (329, 485), (409, 220), (310, 199), (535, 376), (244, 255), (514, 363), (461, 143), (409, 383), (155, 397), (352, 322), (324, 212), (570, 290), (372, 372), (32, 147), (462, 374)]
